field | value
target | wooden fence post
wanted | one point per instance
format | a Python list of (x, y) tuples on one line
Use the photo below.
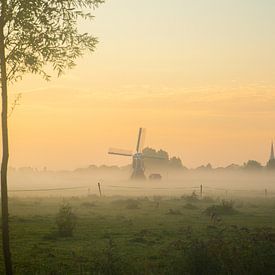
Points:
[(99, 189), (201, 190)]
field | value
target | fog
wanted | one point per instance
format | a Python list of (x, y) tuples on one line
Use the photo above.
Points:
[(116, 182)]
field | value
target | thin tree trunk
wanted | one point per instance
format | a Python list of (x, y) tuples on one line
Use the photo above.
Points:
[(5, 148)]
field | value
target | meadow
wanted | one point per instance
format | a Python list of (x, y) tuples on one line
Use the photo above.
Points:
[(182, 234)]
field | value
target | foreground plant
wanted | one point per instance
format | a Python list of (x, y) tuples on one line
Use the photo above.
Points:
[(66, 220)]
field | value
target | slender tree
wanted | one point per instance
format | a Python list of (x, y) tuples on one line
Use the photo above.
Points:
[(34, 35)]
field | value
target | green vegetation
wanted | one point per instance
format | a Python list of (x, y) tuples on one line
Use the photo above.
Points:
[(143, 235), (224, 208), (66, 220)]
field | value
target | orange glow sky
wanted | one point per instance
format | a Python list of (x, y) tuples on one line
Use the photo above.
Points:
[(198, 75)]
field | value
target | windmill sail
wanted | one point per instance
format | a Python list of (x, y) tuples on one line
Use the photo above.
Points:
[(139, 139), (140, 142), (120, 152)]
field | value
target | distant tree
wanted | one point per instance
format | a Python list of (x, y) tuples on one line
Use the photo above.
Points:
[(163, 154), (155, 159), (252, 165), (34, 34), (160, 159), (149, 151), (175, 163), (207, 167), (233, 166)]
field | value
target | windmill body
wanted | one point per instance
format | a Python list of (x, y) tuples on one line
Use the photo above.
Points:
[(138, 167)]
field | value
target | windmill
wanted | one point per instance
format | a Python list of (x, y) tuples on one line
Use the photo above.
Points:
[(138, 156)]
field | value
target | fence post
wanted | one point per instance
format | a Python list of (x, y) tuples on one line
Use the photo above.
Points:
[(201, 190), (99, 189), (265, 192)]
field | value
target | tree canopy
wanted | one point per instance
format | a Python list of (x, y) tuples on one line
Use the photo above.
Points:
[(252, 165), (40, 34), (161, 159)]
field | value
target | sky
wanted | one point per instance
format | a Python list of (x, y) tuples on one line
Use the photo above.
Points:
[(198, 75)]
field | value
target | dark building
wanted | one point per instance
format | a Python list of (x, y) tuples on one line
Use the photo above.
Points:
[(271, 163)]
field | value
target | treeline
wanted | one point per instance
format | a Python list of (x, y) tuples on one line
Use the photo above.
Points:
[(161, 161)]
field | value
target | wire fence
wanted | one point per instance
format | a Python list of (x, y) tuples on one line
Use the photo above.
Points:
[(109, 190), (47, 189)]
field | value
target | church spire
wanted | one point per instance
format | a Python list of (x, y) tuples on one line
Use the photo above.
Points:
[(272, 152)]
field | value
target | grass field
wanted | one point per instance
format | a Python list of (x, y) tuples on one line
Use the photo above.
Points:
[(141, 235)]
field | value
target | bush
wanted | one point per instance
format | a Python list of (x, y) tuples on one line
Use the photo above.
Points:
[(65, 220)]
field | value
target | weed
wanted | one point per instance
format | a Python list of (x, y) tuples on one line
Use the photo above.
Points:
[(65, 220)]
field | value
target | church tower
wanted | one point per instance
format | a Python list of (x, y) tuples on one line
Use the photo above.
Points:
[(271, 152)]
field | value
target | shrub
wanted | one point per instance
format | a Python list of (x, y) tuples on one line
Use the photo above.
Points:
[(65, 220)]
